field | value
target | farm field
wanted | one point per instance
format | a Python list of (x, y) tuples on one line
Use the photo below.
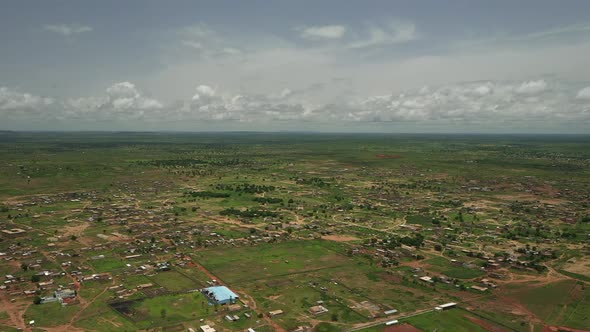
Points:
[(310, 232)]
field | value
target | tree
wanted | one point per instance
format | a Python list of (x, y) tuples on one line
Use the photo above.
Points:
[(163, 313), (24, 266), (35, 278), (37, 300), (73, 237)]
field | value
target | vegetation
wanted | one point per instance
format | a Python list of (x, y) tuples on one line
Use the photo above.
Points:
[(135, 224)]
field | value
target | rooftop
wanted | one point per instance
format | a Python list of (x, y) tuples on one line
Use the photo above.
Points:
[(220, 293)]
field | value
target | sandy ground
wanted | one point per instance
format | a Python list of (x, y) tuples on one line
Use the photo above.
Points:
[(581, 266), (340, 238)]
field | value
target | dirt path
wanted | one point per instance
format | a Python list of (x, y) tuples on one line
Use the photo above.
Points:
[(85, 305), (340, 238), (249, 300), (14, 311)]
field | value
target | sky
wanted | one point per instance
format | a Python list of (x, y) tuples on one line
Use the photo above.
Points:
[(464, 66)]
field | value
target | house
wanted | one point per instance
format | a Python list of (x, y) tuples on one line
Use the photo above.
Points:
[(445, 306), (426, 278), (220, 295), (275, 313), (64, 295), (12, 233), (206, 328), (479, 288), (317, 310), (302, 329)]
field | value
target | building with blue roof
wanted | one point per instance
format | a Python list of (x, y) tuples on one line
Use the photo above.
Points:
[(220, 295)]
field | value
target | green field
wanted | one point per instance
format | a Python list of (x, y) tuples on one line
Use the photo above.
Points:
[(565, 303), (234, 265), (449, 320), (171, 309), (451, 270), (174, 281)]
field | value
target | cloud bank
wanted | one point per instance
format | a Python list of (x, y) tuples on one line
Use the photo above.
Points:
[(484, 104), (67, 29)]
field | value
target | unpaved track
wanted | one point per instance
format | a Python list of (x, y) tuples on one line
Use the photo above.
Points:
[(249, 300)]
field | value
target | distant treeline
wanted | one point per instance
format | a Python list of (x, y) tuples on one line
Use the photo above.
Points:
[(210, 194), (268, 200), (245, 188), (193, 162), (315, 181), (248, 213)]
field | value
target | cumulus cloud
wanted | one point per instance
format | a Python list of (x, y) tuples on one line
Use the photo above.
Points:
[(393, 32), (532, 87), (322, 32), (584, 93), (12, 100), (123, 100), (67, 29), (206, 42), (125, 95), (489, 104), (492, 103)]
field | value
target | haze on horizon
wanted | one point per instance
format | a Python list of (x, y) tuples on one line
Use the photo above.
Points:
[(358, 66)]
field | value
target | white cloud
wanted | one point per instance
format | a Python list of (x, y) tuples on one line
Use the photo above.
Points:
[(391, 33), (532, 87), (67, 29), (490, 104), (199, 31), (122, 90), (584, 93), (12, 100), (123, 101), (496, 104), (322, 32), (473, 105), (204, 95), (125, 96), (206, 43)]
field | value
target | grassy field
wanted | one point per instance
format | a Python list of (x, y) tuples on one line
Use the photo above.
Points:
[(174, 281), (449, 320), (234, 265), (565, 303), (171, 309), (50, 314), (452, 270)]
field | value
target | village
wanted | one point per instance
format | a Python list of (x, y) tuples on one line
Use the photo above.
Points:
[(271, 244)]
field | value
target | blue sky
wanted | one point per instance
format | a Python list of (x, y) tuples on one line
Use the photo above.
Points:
[(387, 66)]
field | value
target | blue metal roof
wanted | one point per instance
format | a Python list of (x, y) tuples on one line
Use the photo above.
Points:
[(221, 293)]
